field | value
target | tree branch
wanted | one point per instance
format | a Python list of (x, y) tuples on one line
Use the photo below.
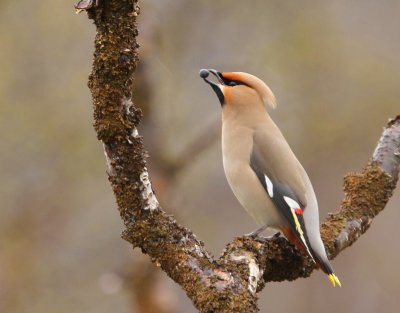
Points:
[(231, 282)]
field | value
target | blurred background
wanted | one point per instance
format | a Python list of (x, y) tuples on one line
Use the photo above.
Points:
[(335, 69)]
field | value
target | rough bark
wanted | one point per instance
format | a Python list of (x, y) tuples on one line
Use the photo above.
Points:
[(231, 282)]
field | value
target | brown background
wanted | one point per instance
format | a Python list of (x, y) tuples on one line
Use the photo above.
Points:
[(335, 69)]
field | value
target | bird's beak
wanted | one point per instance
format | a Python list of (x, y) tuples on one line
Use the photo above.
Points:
[(204, 73)]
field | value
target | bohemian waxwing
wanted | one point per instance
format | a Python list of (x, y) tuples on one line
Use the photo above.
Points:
[(262, 170)]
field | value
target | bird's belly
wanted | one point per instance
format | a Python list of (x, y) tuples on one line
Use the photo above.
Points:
[(252, 195)]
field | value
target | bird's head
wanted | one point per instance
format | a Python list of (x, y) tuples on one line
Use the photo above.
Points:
[(238, 88)]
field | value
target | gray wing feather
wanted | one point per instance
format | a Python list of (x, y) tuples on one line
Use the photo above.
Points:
[(272, 156)]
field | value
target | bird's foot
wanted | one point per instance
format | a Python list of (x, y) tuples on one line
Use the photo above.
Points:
[(256, 232), (277, 235)]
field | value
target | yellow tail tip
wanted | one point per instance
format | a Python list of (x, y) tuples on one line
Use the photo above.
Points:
[(334, 280)]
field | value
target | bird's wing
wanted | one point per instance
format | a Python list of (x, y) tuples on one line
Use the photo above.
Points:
[(281, 176), (272, 156)]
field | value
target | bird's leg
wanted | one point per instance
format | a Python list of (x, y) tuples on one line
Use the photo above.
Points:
[(277, 235), (256, 232)]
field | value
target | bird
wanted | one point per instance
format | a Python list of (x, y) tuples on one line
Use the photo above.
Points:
[(261, 168)]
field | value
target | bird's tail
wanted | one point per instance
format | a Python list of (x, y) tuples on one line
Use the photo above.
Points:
[(334, 280), (321, 261), (326, 267)]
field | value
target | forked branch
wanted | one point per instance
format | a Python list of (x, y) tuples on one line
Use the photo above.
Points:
[(230, 283)]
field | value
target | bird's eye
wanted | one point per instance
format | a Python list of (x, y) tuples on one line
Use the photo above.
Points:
[(232, 83)]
